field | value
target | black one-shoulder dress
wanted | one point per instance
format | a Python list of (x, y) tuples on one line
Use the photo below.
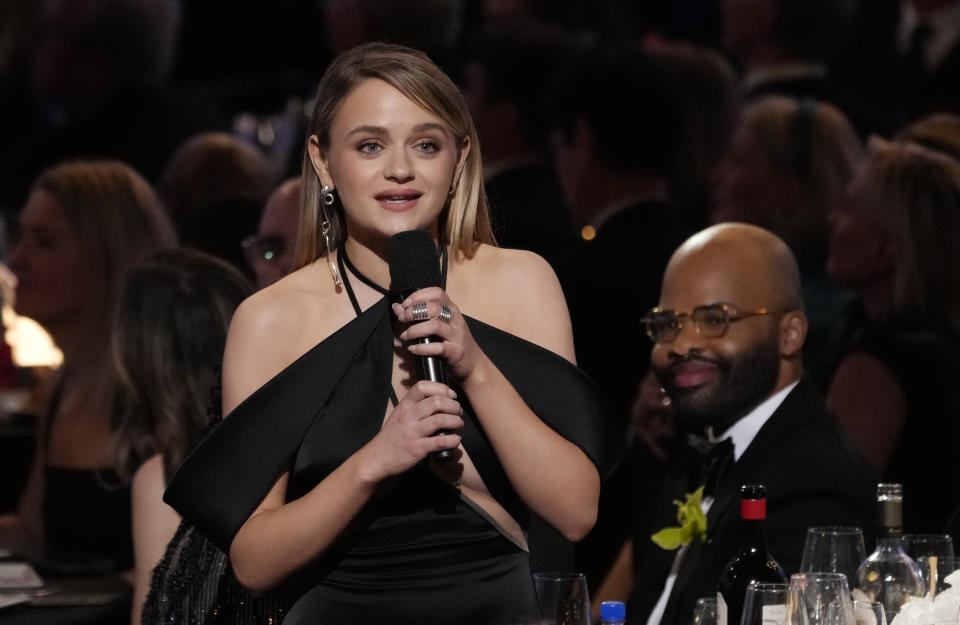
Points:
[(421, 553)]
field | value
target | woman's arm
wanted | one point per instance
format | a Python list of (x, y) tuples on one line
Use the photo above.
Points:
[(154, 524), (281, 537), (870, 404), (551, 474)]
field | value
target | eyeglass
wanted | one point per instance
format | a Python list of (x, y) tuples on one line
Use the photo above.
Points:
[(259, 249), (711, 322)]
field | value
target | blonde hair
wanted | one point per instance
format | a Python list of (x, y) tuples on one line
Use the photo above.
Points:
[(917, 201), (465, 221)]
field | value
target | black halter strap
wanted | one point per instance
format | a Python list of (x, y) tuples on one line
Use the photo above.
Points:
[(343, 262)]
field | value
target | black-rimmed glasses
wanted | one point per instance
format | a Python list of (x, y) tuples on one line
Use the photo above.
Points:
[(711, 322)]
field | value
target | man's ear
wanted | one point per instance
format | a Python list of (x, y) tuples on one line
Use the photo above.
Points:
[(318, 158), (793, 333)]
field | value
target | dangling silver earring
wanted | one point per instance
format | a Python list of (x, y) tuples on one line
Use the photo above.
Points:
[(327, 199)]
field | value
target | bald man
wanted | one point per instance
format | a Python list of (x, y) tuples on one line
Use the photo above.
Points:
[(269, 253), (728, 333)]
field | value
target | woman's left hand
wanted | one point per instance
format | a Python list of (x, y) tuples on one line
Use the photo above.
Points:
[(444, 320)]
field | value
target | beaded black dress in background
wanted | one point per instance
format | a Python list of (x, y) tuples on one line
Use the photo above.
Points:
[(194, 585)]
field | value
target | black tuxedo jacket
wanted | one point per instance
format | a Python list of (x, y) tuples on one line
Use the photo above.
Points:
[(814, 477)]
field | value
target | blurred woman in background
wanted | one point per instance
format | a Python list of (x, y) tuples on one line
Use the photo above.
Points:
[(84, 224), (170, 330), (895, 390)]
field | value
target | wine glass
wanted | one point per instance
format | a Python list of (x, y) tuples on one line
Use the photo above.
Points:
[(933, 553), (705, 611), (833, 549), (765, 604), (869, 613), (822, 598), (563, 598)]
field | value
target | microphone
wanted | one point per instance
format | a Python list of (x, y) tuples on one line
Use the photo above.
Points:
[(415, 265)]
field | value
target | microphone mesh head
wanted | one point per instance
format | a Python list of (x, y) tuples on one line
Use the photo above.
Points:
[(414, 261)]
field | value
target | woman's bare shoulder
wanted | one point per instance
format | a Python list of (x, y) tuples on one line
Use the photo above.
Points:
[(273, 327), (511, 268), (517, 291), (273, 308)]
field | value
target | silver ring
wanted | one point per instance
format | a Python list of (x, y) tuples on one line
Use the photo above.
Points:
[(444, 315), (419, 311)]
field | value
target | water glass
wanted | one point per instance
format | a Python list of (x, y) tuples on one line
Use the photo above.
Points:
[(765, 604), (563, 598), (869, 613), (933, 553), (833, 549), (705, 611), (820, 598)]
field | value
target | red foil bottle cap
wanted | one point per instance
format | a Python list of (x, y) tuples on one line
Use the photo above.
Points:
[(753, 509)]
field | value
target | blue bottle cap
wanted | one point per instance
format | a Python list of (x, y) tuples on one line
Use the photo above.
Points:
[(613, 611)]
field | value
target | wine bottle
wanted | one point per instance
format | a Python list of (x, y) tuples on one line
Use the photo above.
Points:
[(889, 575), (754, 562)]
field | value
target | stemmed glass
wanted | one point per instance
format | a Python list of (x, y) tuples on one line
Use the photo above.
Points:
[(933, 553), (833, 549), (765, 604), (705, 611), (820, 598), (563, 598)]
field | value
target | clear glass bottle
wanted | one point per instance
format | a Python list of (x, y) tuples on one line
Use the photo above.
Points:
[(754, 562), (613, 613), (889, 575)]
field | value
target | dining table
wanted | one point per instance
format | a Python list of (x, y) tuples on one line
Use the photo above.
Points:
[(100, 599)]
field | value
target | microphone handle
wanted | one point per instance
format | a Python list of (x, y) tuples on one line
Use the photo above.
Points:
[(431, 368)]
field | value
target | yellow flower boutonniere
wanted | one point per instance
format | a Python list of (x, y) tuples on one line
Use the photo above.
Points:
[(693, 523)]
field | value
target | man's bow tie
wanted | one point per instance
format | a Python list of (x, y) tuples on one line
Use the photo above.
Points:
[(714, 458)]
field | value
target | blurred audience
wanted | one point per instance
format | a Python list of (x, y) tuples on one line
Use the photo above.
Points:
[(83, 226), (614, 141), (96, 88), (707, 86), (209, 168), (170, 330), (787, 167), (895, 391), (17, 18), (937, 131), (433, 26), (786, 47), (508, 67), (214, 188), (616, 126), (927, 72), (269, 252)]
